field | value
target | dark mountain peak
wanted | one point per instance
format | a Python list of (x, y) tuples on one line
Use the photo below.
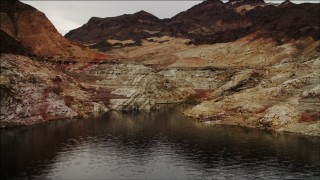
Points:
[(245, 2), (286, 3), (127, 26), (138, 15), (144, 15), (248, 1), (213, 1), (203, 9), (94, 19)]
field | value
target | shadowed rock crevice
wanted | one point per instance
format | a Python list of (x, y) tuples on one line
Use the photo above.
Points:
[(11, 45)]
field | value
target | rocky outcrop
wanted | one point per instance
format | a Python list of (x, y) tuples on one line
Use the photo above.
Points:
[(33, 92), (248, 52), (279, 116), (284, 99), (132, 87)]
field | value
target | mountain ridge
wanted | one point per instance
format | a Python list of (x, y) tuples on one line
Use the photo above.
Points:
[(211, 21)]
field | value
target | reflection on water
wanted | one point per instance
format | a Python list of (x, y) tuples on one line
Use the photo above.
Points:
[(155, 145)]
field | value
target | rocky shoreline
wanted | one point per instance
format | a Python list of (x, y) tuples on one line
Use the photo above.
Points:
[(33, 92), (286, 99), (278, 97)]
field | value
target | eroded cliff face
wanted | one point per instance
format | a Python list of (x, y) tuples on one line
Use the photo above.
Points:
[(33, 92), (283, 97), (131, 87)]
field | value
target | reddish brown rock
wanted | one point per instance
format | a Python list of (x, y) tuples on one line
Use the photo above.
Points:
[(36, 33)]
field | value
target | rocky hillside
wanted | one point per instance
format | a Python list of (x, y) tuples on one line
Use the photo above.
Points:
[(211, 21), (36, 33), (128, 26)]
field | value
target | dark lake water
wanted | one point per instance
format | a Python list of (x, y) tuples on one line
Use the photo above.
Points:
[(158, 145)]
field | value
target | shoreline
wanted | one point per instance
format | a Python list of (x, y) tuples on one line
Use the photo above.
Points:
[(183, 106)]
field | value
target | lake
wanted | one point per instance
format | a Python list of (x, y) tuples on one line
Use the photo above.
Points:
[(157, 145)]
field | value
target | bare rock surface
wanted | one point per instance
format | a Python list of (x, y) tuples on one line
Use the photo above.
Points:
[(285, 99), (135, 87), (33, 92)]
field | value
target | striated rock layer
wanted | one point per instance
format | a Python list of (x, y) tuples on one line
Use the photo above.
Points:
[(33, 92), (252, 82), (283, 97)]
